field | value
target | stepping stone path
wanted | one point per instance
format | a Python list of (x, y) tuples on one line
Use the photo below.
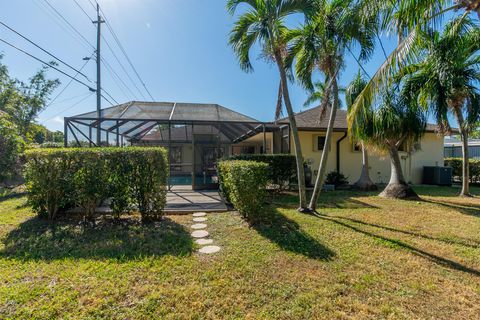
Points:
[(200, 234)]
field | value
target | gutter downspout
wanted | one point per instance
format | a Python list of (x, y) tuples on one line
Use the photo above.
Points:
[(338, 151)]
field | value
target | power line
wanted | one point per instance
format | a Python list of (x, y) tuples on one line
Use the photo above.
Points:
[(119, 44), (123, 68), (55, 19), (116, 78), (83, 10), (47, 64), (68, 23), (68, 108), (108, 94), (68, 84), (44, 50)]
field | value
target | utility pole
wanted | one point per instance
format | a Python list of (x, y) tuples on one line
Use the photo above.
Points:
[(99, 78)]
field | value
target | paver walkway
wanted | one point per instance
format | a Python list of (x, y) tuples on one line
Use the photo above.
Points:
[(200, 234), (186, 200)]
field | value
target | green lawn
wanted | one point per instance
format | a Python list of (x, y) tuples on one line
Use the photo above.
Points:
[(363, 257)]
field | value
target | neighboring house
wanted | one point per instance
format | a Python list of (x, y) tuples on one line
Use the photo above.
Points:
[(196, 135), (453, 148)]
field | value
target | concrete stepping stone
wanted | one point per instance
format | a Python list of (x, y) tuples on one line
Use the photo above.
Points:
[(203, 242), (209, 249), (198, 226), (199, 219), (199, 214), (200, 234)]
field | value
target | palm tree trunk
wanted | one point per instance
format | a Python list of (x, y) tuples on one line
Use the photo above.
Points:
[(302, 193), (326, 149), (397, 187), (465, 157), (364, 183), (465, 166)]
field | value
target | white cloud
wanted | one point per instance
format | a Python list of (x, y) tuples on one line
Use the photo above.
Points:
[(58, 120)]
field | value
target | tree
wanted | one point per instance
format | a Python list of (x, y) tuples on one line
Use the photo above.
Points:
[(316, 96), (11, 145), (391, 123), (407, 19), (445, 81), (264, 23), (353, 90), (320, 45)]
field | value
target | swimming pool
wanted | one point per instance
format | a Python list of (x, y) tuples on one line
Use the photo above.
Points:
[(186, 180)]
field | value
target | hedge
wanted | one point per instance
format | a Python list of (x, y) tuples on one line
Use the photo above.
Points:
[(59, 179), (244, 184), (282, 167), (456, 164)]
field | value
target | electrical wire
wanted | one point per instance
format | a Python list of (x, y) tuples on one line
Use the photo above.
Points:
[(47, 64), (44, 50)]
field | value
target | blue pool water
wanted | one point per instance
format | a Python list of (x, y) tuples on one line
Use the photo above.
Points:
[(186, 180)]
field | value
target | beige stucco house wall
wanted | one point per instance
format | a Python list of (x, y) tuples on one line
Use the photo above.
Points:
[(430, 153)]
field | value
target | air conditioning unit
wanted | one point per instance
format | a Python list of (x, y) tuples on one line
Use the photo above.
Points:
[(440, 176)]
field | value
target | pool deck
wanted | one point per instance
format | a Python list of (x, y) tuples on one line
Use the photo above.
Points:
[(182, 199)]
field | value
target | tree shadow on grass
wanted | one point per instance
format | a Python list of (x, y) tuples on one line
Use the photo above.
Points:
[(126, 239), (466, 243), (401, 244), (288, 235), (467, 209), (330, 200)]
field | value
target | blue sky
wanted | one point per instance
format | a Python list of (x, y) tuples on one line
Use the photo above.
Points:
[(179, 47)]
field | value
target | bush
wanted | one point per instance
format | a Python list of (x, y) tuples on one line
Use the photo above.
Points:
[(456, 164), (244, 183), (336, 178), (59, 178), (282, 167), (11, 146)]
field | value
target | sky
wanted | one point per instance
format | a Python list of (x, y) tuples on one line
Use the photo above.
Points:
[(178, 47)]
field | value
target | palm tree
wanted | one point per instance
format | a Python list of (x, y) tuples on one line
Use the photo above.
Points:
[(407, 19), (364, 182), (321, 45), (386, 126), (318, 93), (264, 23), (445, 81)]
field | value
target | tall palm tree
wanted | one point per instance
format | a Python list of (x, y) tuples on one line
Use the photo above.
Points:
[(386, 125), (319, 92), (445, 81), (407, 19), (353, 90), (320, 45), (264, 23)]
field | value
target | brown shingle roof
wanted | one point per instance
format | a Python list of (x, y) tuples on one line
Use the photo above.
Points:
[(310, 120)]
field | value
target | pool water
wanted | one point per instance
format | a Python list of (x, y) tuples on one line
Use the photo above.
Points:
[(186, 180)]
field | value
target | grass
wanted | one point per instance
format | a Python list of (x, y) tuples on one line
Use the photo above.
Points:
[(361, 257)]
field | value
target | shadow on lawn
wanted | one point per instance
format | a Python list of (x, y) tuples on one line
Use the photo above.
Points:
[(401, 244), (467, 209), (288, 235), (467, 243), (126, 239)]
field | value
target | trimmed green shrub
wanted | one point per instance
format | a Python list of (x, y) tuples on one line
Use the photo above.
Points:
[(60, 178), (49, 181), (456, 164), (282, 167), (245, 185), (336, 178)]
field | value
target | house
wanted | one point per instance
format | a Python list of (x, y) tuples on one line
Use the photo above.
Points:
[(196, 135), (453, 148)]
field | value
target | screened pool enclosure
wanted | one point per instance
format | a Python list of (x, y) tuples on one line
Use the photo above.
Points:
[(195, 135)]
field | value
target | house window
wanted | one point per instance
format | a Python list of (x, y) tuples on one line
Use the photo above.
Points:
[(319, 143)]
